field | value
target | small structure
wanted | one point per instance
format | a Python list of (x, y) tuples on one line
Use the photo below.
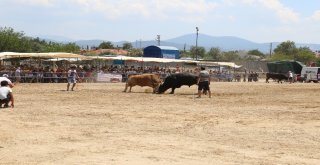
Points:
[(283, 67), (161, 52)]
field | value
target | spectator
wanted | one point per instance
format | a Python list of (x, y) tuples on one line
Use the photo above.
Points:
[(5, 78), (17, 74), (6, 95)]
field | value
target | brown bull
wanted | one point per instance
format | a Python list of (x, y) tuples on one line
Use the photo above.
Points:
[(150, 80)]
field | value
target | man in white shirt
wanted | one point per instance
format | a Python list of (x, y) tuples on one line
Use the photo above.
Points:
[(17, 74), (6, 95), (290, 77), (5, 78), (72, 77)]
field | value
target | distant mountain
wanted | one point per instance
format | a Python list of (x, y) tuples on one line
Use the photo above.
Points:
[(89, 43), (228, 43), (225, 43), (55, 38)]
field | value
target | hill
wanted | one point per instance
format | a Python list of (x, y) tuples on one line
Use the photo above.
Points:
[(225, 43)]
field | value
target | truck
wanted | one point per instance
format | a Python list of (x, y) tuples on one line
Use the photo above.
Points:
[(311, 74), (283, 67)]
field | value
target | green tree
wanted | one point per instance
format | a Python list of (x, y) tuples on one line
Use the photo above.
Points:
[(305, 55), (214, 54), (288, 51), (53, 47), (280, 57), (17, 42), (230, 56), (135, 53), (198, 52), (71, 48), (38, 45), (13, 41), (127, 46), (256, 52), (106, 45), (287, 48)]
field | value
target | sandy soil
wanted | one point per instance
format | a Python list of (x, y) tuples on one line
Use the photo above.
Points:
[(243, 123)]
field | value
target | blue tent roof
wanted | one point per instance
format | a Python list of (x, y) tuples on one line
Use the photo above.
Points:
[(167, 47), (161, 52)]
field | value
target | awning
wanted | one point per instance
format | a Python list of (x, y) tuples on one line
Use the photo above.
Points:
[(211, 63), (11, 55)]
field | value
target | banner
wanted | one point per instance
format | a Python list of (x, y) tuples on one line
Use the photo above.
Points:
[(109, 77)]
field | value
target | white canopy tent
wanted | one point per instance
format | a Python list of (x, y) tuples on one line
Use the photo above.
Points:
[(142, 59), (58, 56), (211, 63), (51, 55)]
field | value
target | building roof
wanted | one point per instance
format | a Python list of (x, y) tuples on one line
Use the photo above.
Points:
[(166, 47)]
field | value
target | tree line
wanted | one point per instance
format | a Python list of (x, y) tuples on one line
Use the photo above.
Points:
[(12, 41), (285, 51)]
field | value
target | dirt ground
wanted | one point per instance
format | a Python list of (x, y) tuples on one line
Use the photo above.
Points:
[(243, 123)]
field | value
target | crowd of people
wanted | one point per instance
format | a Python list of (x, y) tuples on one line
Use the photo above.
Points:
[(87, 73)]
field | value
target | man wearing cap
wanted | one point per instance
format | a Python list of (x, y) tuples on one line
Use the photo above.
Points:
[(5, 78)]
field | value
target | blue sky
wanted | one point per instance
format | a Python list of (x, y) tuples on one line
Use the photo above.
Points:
[(130, 20)]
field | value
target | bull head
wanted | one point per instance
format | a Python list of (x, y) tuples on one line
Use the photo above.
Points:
[(162, 88)]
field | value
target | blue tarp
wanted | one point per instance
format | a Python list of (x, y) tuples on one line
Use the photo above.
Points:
[(161, 52)]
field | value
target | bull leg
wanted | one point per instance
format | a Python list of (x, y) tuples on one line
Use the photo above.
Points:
[(155, 88), (172, 90), (125, 89), (130, 88)]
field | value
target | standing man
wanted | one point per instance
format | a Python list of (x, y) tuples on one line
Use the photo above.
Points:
[(204, 82), (290, 77), (6, 95), (17, 74), (72, 77)]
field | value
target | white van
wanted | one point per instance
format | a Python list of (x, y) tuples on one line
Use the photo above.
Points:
[(311, 74)]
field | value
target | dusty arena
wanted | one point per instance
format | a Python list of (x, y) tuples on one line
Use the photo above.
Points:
[(243, 123)]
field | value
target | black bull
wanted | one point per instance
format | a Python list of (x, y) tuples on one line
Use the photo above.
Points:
[(276, 76), (176, 80)]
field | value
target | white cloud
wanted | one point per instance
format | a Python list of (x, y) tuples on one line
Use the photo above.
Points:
[(316, 16), (164, 9), (36, 2), (284, 13)]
